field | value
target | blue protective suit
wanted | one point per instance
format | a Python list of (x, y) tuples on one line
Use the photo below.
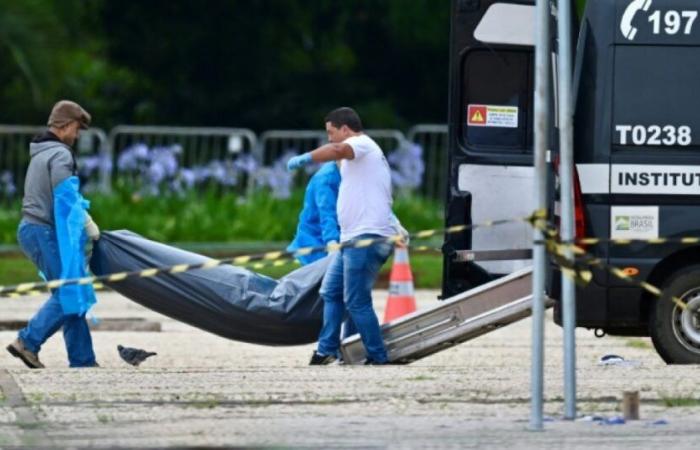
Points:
[(318, 220), (70, 213)]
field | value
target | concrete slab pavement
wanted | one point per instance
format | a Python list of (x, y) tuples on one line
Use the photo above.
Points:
[(205, 390)]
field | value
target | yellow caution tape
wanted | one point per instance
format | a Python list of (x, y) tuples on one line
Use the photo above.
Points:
[(579, 268), (26, 288), (687, 240)]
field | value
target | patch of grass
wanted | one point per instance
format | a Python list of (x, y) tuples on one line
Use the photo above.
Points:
[(426, 267), (9, 218), (277, 272), (17, 269), (205, 404), (104, 418), (675, 402), (421, 378), (29, 425), (35, 397), (638, 343)]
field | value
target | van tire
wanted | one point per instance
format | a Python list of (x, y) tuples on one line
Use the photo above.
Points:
[(667, 322)]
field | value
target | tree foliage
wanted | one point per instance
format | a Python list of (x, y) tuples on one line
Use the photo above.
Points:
[(253, 63)]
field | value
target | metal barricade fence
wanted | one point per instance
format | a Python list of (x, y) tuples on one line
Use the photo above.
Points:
[(200, 147), (273, 144), (227, 154), (433, 140), (388, 140), (14, 158)]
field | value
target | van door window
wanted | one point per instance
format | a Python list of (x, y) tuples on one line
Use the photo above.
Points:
[(496, 101)]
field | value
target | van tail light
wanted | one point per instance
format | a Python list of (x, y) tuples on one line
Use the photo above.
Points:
[(579, 207), (579, 210)]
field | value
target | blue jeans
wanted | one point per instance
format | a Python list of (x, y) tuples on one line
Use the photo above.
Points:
[(39, 243), (348, 284), (348, 328)]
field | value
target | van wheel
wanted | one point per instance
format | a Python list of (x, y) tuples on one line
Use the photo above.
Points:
[(675, 331)]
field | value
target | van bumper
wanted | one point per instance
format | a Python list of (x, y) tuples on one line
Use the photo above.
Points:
[(616, 310)]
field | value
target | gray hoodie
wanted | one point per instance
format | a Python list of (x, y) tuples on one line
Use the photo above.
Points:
[(51, 162)]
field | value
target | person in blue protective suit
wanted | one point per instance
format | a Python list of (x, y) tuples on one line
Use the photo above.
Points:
[(318, 220), (53, 234), (364, 213)]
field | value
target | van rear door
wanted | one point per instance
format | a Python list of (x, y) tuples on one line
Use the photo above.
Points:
[(490, 135)]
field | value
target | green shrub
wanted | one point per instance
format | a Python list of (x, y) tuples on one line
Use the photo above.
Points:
[(214, 217)]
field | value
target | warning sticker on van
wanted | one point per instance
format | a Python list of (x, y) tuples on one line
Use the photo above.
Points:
[(492, 116), (634, 222)]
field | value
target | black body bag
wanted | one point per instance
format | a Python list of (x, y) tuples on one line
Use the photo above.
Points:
[(229, 301)]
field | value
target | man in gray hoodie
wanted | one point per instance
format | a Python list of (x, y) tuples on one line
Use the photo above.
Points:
[(52, 162)]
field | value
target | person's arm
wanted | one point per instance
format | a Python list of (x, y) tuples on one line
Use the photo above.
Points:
[(91, 228), (326, 152), (60, 167), (332, 152), (405, 235)]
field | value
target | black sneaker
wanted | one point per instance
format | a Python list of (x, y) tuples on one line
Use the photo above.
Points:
[(318, 359), (371, 362)]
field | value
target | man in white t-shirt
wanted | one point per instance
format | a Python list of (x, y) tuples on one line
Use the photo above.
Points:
[(364, 212)]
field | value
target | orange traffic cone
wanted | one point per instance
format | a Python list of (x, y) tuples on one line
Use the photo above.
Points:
[(401, 299)]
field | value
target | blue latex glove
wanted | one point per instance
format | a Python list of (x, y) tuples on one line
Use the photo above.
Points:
[(299, 161)]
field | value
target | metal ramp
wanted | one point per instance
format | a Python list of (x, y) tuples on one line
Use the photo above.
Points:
[(453, 321)]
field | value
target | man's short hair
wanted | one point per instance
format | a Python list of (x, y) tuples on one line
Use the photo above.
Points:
[(345, 116)]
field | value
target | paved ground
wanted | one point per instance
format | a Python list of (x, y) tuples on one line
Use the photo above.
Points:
[(202, 390)]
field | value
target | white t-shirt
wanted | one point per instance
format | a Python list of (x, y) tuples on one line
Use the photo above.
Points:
[(364, 197)]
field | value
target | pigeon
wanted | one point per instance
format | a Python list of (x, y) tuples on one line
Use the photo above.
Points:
[(134, 356)]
